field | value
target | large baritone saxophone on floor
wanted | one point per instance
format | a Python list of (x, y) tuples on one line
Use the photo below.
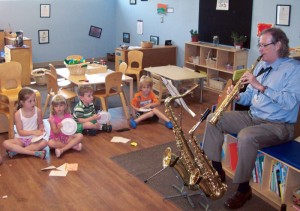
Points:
[(229, 98), (192, 165)]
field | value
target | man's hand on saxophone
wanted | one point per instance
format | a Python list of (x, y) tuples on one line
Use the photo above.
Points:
[(230, 91), (249, 78)]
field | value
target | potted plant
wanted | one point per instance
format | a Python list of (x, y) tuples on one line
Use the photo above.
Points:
[(238, 40), (194, 35)]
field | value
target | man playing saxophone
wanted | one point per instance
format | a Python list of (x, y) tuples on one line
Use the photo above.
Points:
[(273, 94)]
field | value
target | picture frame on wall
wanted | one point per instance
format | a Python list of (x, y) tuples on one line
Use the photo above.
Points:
[(45, 10), (283, 14), (95, 31), (126, 37), (43, 36), (132, 2), (154, 40)]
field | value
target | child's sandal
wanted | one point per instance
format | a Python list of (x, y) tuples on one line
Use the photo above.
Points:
[(40, 154), (11, 154)]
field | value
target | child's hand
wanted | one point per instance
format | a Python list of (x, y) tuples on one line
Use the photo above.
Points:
[(59, 125), (96, 116), (38, 132)]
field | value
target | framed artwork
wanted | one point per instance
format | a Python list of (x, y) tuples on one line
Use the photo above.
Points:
[(144, 0), (154, 40), (45, 10), (283, 14), (43, 36), (126, 37), (95, 31), (132, 2)]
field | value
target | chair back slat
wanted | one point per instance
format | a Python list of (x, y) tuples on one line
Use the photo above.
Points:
[(113, 81), (51, 83), (135, 59), (10, 76)]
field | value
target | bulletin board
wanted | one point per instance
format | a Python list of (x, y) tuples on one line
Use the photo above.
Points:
[(237, 18)]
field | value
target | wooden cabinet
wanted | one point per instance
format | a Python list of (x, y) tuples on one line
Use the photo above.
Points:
[(11, 41), (156, 56), (22, 55), (219, 62), (262, 189)]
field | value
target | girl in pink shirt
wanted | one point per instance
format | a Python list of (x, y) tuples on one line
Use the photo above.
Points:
[(59, 110)]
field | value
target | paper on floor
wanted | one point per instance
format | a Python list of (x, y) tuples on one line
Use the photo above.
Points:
[(56, 173), (118, 139)]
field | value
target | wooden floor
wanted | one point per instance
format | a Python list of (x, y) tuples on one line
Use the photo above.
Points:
[(99, 183)]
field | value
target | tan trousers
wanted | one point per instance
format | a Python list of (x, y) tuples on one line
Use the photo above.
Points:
[(253, 134)]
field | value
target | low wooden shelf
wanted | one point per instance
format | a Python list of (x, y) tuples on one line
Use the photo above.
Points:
[(197, 56), (262, 189), (153, 57)]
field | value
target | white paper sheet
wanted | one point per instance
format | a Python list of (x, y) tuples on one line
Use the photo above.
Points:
[(118, 139), (55, 173), (174, 92)]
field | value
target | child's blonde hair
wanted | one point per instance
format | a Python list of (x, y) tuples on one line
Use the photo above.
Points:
[(84, 89), (23, 95), (145, 80), (57, 100)]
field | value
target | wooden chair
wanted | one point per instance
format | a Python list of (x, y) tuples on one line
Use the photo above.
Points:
[(135, 63), (53, 89), (159, 88), (123, 67), (113, 86), (61, 82), (10, 86)]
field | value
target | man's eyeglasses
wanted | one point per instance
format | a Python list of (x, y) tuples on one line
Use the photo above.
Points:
[(260, 45)]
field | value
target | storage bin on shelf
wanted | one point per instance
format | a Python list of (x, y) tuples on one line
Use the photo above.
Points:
[(210, 61), (39, 76), (217, 83)]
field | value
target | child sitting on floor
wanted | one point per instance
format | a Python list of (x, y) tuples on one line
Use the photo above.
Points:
[(145, 103), (84, 112), (29, 124), (59, 110)]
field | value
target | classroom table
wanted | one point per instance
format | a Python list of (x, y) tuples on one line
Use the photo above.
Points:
[(93, 79), (177, 74)]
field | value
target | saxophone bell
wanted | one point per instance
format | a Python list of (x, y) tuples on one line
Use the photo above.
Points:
[(167, 157)]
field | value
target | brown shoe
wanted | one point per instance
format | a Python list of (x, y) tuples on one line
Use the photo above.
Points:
[(238, 199)]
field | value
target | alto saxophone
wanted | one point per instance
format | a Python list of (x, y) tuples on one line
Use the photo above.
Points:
[(192, 165), (229, 98)]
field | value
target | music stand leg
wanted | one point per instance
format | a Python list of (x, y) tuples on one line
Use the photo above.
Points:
[(183, 193)]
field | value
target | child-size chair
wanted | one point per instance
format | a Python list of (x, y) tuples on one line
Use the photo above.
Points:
[(53, 89), (10, 85), (113, 86), (135, 63), (159, 88)]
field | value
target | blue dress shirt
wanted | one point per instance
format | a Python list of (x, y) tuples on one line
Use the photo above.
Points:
[(280, 101)]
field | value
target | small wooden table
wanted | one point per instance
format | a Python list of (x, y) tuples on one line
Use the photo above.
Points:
[(177, 74), (92, 79)]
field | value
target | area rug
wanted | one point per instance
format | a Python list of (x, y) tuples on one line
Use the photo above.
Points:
[(143, 164)]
